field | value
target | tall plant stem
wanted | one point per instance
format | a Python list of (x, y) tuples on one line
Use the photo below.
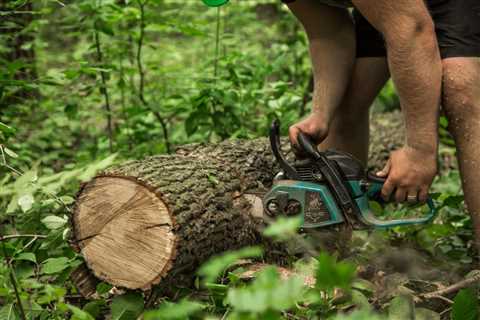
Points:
[(141, 72), (104, 90), (13, 280), (217, 44), (124, 112)]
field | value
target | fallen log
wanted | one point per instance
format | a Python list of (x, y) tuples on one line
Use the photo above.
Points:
[(153, 221)]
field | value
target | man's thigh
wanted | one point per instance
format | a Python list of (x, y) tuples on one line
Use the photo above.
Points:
[(457, 25)]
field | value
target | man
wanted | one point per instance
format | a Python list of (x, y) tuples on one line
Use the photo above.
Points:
[(351, 69)]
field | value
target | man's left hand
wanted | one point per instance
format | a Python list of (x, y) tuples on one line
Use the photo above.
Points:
[(410, 173)]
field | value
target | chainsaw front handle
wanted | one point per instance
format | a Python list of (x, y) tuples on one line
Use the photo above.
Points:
[(371, 219)]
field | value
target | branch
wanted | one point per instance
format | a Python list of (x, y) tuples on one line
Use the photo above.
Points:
[(13, 280), (15, 236), (453, 288), (104, 90), (141, 72)]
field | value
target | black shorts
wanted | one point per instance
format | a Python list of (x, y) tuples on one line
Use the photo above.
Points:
[(457, 24)]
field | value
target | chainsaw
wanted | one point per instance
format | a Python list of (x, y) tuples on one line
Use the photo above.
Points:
[(328, 188)]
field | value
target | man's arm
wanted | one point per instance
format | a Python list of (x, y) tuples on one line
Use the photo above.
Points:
[(331, 38), (415, 65)]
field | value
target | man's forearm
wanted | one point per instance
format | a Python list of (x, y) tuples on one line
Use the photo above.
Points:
[(417, 73), (415, 64), (331, 37)]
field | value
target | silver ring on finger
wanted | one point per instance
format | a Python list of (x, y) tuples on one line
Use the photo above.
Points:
[(412, 199)]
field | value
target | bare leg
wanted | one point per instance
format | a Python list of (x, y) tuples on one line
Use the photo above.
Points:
[(461, 100), (332, 49), (349, 130)]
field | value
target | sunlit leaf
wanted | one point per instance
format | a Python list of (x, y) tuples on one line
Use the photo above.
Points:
[(10, 152), (54, 265), (28, 256), (217, 265), (26, 202), (267, 292), (54, 222), (401, 308), (172, 311), (283, 228)]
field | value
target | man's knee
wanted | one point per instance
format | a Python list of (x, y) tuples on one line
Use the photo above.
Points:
[(461, 95)]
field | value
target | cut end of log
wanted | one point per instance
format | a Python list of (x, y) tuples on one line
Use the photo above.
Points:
[(125, 232)]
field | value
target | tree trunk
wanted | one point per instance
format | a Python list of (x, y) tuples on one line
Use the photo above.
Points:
[(153, 221)]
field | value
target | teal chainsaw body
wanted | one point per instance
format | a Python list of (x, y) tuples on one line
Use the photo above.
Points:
[(328, 188)]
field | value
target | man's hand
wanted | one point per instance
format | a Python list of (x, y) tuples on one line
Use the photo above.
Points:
[(409, 173), (314, 125)]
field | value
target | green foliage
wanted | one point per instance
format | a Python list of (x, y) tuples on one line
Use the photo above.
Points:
[(152, 70), (217, 265), (183, 309), (465, 305), (283, 228), (267, 294), (127, 307), (331, 274)]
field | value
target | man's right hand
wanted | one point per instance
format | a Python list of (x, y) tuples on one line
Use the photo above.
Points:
[(314, 125)]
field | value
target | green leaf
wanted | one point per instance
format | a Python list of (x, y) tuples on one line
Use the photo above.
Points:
[(212, 179), (401, 308), (217, 265), (283, 228), (465, 306), (426, 314), (10, 152), (267, 292), (127, 307), (28, 256), (54, 222), (26, 202), (78, 314), (171, 311), (55, 265), (67, 200), (6, 129), (8, 312), (331, 274), (103, 288), (94, 307)]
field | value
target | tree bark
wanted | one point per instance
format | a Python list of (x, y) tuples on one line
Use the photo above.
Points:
[(153, 221)]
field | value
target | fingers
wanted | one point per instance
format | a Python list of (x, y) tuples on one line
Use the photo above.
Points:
[(386, 170), (293, 132), (387, 189), (400, 195), (423, 194)]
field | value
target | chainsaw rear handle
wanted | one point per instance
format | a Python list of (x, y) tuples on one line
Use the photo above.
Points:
[(375, 189), (307, 144), (287, 168)]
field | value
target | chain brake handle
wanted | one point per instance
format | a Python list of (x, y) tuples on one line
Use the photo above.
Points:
[(374, 191)]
